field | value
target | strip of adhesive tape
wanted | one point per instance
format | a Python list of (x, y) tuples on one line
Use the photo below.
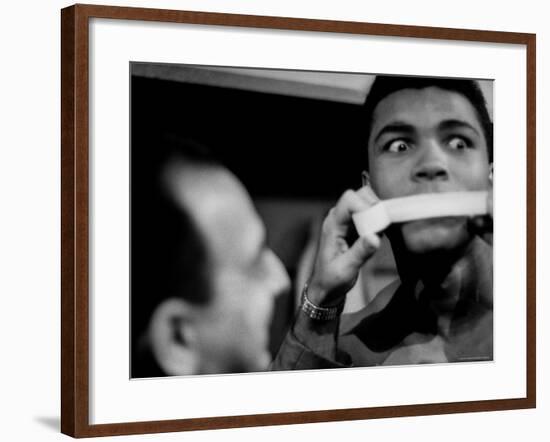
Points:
[(426, 205)]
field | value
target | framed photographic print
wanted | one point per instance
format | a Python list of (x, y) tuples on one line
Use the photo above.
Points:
[(294, 217)]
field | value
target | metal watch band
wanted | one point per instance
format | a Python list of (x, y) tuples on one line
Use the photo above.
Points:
[(316, 312)]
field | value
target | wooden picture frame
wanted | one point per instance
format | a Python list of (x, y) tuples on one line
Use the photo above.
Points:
[(75, 219)]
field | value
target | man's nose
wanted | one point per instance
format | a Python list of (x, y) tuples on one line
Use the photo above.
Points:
[(279, 276), (432, 164)]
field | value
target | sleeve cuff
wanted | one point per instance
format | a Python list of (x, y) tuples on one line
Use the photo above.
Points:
[(294, 354)]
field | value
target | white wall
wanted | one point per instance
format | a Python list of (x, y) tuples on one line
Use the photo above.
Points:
[(29, 218)]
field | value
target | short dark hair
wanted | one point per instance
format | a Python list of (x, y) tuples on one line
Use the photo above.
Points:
[(385, 85), (168, 253)]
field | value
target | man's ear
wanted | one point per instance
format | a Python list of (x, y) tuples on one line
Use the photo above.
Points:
[(173, 336), (365, 178), (491, 173)]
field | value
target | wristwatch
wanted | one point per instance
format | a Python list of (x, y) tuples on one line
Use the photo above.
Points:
[(319, 313)]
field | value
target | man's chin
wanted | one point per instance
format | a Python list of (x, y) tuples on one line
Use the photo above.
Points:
[(435, 234)]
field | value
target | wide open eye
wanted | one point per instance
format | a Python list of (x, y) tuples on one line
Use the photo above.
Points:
[(397, 146), (458, 143)]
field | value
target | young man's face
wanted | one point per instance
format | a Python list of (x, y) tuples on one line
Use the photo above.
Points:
[(422, 141)]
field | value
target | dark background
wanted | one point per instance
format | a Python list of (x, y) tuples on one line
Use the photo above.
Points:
[(279, 146)]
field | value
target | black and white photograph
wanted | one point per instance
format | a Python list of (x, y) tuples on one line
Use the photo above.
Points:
[(294, 220)]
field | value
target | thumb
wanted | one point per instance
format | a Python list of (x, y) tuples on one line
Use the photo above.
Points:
[(362, 249)]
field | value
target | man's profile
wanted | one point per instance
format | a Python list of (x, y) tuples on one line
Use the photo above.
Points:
[(203, 280), (424, 135)]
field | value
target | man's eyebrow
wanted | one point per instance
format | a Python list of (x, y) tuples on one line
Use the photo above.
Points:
[(395, 126), (456, 124)]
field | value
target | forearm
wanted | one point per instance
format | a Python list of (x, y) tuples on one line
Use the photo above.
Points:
[(310, 344), (319, 336)]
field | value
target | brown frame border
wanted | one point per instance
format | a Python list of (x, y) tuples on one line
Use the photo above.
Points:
[(74, 219)]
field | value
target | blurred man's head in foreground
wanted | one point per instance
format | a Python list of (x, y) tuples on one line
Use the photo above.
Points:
[(204, 282)]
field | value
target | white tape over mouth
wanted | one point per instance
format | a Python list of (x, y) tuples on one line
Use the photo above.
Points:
[(427, 205)]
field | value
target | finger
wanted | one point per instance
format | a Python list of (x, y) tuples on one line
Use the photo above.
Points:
[(368, 195), (482, 226), (361, 250), (349, 203)]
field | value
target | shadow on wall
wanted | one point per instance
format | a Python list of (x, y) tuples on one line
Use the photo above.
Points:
[(50, 422)]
